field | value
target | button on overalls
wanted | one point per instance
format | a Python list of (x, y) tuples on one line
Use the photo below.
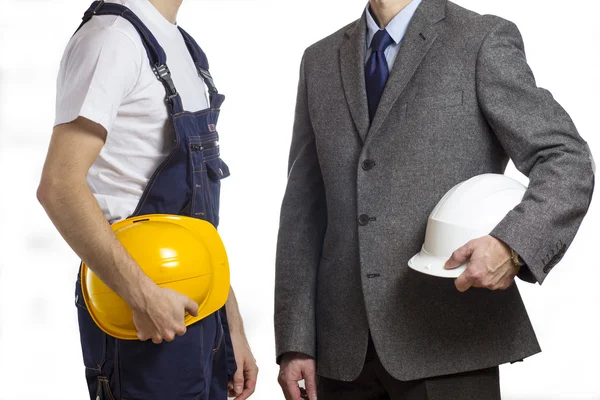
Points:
[(197, 365)]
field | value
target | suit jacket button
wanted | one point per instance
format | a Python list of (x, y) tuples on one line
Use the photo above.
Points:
[(363, 220), (368, 165)]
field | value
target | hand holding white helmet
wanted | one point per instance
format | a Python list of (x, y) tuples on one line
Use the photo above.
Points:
[(469, 210)]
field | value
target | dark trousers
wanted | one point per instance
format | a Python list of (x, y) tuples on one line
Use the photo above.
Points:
[(374, 383), (192, 367)]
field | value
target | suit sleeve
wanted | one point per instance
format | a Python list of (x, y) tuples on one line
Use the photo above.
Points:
[(301, 230), (540, 138)]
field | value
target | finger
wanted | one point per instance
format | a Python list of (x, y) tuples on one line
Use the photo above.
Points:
[(292, 389), (142, 336), (245, 394), (310, 381), (169, 336), (464, 281), (157, 340), (191, 307), (249, 388), (238, 380), (460, 256), (180, 330)]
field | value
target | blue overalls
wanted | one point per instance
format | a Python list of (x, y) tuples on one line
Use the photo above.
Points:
[(197, 365)]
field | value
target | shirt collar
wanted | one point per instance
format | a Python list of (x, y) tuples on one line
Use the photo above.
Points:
[(397, 26), (150, 15)]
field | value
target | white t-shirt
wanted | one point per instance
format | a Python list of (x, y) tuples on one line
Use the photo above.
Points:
[(105, 76)]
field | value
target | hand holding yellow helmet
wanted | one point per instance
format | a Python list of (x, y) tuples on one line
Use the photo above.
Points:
[(180, 253)]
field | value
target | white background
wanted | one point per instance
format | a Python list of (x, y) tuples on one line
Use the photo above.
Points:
[(255, 47)]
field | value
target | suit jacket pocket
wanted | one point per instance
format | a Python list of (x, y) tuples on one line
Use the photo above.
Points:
[(426, 103)]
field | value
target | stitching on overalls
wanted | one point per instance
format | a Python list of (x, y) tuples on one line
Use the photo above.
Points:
[(202, 352), (117, 370), (104, 347), (103, 359), (104, 382), (207, 213), (194, 189), (220, 340), (206, 194), (193, 114), (212, 157), (143, 33), (206, 137)]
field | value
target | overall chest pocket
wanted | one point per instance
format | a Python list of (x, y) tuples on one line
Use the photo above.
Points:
[(208, 170), (216, 169)]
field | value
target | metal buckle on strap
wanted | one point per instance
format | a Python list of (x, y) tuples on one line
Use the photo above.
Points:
[(163, 74), (93, 12), (98, 7), (208, 79)]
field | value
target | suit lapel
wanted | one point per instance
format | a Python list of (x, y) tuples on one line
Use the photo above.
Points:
[(421, 34), (352, 64)]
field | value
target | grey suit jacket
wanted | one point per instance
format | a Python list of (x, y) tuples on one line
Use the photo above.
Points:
[(460, 100)]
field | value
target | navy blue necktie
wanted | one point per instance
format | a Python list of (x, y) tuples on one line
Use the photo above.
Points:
[(376, 70)]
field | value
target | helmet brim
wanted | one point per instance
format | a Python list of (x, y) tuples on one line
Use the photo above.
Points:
[(434, 266)]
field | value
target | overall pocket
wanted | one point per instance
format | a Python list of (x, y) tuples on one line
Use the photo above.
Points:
[(207, 171), (216, 169), (219, 336)]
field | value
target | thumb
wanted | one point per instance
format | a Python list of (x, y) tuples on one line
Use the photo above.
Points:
[(238, 381), (310, 381), (191, 307), (460, 256)]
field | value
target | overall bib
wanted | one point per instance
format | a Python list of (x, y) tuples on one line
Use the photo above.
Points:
[(197, 365)]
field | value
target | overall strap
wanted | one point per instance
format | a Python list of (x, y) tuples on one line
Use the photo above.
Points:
[(156, 54), (201, 62)]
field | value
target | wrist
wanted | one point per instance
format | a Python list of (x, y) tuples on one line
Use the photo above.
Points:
[(237, 331), (294, 355), (138, 293)]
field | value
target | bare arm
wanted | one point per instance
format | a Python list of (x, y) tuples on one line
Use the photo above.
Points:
[(63, 192), (244, 380), (234, 318), (70, 204)]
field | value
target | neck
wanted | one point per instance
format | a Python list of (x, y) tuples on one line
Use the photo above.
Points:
[(385, 10), (168, 8)]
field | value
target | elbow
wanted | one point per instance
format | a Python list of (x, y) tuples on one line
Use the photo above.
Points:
[(44, 193), (47, 191)]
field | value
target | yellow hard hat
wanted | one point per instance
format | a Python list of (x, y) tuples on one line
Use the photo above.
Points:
[(180, 253)]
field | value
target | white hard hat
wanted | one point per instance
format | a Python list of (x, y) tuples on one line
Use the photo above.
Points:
[(468, 211)]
